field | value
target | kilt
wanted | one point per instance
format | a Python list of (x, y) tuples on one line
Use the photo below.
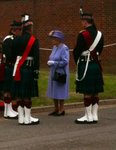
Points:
[(2, 71), (27, 87), (8, 78), (93, 81), (1, 85)]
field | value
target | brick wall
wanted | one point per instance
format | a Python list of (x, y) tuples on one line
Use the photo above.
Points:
[(63, 15), (109, 29)]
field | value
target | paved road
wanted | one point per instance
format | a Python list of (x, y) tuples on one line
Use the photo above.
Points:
[(60, 133)]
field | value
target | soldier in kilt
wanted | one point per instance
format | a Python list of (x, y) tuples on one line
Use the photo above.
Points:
[(16, 30), (26, 70), (90, 83)]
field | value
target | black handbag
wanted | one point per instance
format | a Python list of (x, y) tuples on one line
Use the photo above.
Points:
[(60, 77)]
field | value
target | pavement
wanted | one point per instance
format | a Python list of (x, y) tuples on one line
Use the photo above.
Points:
[(61, 133)]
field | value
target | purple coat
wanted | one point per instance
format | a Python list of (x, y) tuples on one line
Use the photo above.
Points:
[(60, 55)]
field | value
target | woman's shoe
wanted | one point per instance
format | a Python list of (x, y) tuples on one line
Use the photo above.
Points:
[(54, 113), (61, 113)]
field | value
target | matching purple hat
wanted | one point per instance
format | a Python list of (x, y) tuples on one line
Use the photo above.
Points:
[(57, 34)]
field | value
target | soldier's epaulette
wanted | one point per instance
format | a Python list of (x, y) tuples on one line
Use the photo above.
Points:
[(82, 31)]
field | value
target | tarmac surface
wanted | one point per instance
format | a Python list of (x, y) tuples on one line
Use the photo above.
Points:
[(61, 133)]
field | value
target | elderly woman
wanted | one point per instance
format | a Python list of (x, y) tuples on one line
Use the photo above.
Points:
[(58, 62)]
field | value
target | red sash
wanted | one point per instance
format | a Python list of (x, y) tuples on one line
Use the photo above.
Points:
[(17, 76)]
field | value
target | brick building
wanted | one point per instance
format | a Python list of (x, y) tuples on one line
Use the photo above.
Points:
[(63, 15)]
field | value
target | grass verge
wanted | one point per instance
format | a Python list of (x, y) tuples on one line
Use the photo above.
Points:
[(109, 89)]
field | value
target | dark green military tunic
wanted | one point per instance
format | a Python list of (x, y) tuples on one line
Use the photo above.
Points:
[(9, 62), (27, 87), (93, 81)]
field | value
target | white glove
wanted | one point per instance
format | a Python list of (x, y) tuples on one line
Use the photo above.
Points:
[(50, 62)]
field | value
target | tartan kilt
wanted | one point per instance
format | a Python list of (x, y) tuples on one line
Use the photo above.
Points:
[(27, 87), (2, 71), (8, 79), (93, 81), (1, 85)]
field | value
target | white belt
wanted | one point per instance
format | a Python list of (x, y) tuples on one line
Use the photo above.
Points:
[(4, 56), (29, 58), (17, 62), (85, 53)]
